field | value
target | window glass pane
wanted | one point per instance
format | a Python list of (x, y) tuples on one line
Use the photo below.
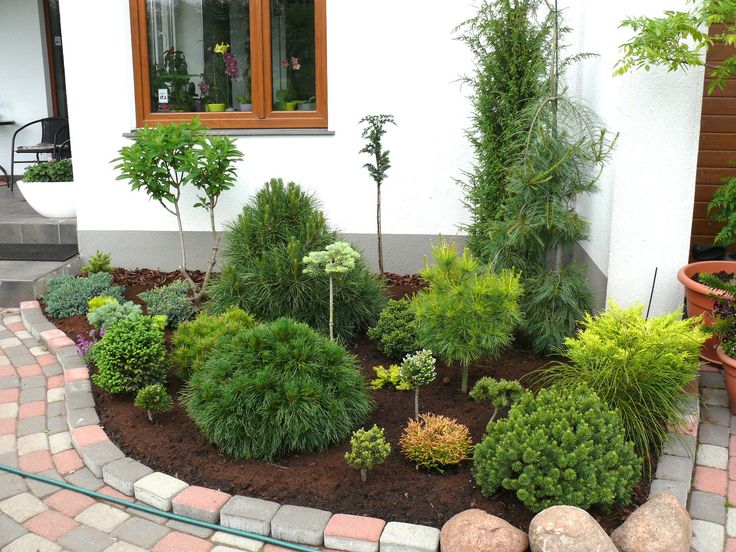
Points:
[(293, 55), (199, 55)]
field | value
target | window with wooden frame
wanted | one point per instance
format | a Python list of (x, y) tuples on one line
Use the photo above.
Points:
[(232, 63)]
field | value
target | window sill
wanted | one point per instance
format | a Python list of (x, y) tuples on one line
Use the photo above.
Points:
[(259, 132)]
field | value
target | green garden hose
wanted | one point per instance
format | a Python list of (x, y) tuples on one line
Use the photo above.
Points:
[(148, 509)]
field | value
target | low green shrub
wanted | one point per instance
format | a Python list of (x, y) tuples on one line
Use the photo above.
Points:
[(99, 262), (172, 301), (436, 442), (562, 446), (263, 272), (58, 170), (131, 355), (638, 366), (153, 398), (390, 376), (368, 448), (69, 296), (194, 341), (111, 312), (276, 389), (97, 302), (395, 334)]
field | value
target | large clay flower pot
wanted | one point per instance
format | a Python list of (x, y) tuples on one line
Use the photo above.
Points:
[(698, 300), (729, 374), (50, 199)]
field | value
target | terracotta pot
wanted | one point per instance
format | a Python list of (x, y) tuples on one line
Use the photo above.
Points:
[(698, 301), (729, 374)]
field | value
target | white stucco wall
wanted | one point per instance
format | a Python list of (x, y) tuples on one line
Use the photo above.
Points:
[(24, 95)]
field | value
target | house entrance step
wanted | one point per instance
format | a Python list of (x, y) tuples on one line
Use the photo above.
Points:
[(37, 252), (27, 280), (19, 223)]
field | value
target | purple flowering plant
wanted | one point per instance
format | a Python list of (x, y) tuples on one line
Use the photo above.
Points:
[(85, 342)]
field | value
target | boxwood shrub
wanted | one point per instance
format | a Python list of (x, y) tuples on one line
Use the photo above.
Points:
[(276, 389), (395, 334)]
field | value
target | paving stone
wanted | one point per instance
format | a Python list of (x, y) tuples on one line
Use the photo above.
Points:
[(86, 479), (406, 537), (96, 456), (680, 445), (158, 489), (145, 515), (30, 410), (731, 522), (52, 370), (122, 546), (36, 462), (10, 530), (353, 533), (707, 536), (76, 374), (55, 410), (86, 539), (50, 525), (300, 525), (122, 474), (67, 462), (11, 485), (30, 542), (249, 514), (41, 489), (711, 480), (176, 542), (221, 548), (69, 503), (708, 507), (27, 426), (29, 370), (234, 541), (77, 401), (674, 468), (77, 386), (9, 410), (9, 459), (7, 426), (9, 396), (201, 532), (715, 397), (22, 507), (64, 352), (8, 443), (711, 434), (57, 424), (60, 442), (717, 415), (55, 395), (32, 443), (32, 382), (87, 435), (32, 395), (102, 517), (71, 362), (712, 456), (140, 532), (200, 503), (82, 417)]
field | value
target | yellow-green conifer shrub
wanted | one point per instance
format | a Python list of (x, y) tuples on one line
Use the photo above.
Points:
[(368, 448)]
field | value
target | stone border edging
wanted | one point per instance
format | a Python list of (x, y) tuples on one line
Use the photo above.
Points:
[(308, 526)]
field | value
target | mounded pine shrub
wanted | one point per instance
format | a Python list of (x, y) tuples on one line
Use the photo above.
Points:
[(264, 275), (277, 389), (561, 446), (395, 334)]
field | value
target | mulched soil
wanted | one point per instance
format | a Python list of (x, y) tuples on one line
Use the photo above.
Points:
[(395, 490)]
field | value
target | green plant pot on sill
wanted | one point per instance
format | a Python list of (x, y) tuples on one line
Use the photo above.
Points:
[(216, 107)]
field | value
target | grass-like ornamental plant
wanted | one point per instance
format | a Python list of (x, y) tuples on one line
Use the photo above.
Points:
[(638, 366), (418, 370), (467, 312), (153, 398), (336, 258), (499, 393), (171, 301), (395, 334), (368, 448), (263, 273), (436, 442), (389, 377), (194, 341), (131, 355), (111, 312), (562, 446), (99, 262), (69, 296), (277, 389)]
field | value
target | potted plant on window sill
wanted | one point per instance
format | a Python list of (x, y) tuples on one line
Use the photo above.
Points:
[(245, 104), (49, 189), (309, 105)]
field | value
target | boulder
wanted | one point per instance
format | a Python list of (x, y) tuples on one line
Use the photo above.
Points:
[(659, 525), (567, 529), (478, 531)]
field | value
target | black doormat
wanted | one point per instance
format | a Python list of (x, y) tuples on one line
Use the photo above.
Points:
[(37, 251)]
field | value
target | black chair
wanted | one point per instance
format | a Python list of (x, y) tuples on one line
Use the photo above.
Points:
[(54, 141)]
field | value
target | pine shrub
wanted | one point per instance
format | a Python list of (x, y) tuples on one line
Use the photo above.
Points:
[(638, 366), (276, 389), (99, 262), (395, 334), (436, 442), (368, 448), (172, 301), (194, 341), (97, 302), (111, 312), (69, 296), (562, 446), (131, 355), (153, 398), (499, 393), (389, 377), (263, 272)]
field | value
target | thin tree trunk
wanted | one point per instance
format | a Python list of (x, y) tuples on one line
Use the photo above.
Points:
[(378, 224), (183, 267), (416, 403), (150, 416), (332, 322), (464, 385), (495, 413), (213, 255), (363, 475)]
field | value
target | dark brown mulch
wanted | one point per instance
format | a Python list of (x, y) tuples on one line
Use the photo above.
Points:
[(395, 490)]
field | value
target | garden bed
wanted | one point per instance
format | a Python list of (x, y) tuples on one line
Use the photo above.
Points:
[(395, 490)]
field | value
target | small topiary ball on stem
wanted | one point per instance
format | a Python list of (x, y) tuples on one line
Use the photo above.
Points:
[(153, 398), (418, 370), (500, 393), (336, 258), (368, 448)]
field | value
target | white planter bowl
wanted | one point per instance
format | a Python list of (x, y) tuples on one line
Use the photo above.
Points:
[(50, 199)]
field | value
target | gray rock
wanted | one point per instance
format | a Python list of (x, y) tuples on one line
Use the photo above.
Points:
[(659, 525), (567, 529)]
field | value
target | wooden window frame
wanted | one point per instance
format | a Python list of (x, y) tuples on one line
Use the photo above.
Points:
[(263, 115)]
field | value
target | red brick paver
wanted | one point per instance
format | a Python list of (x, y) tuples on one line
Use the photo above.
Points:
[(355, 527), (9, 395), (67, 462), (88, 435), (36, 462), (29, 410), (202, 498), (711, 480), (29, 370), (69, 503), (50, 525), (177, 542)]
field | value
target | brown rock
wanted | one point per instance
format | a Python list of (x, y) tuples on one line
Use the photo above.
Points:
[(567, 529), (475, 530), (659, 525)]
